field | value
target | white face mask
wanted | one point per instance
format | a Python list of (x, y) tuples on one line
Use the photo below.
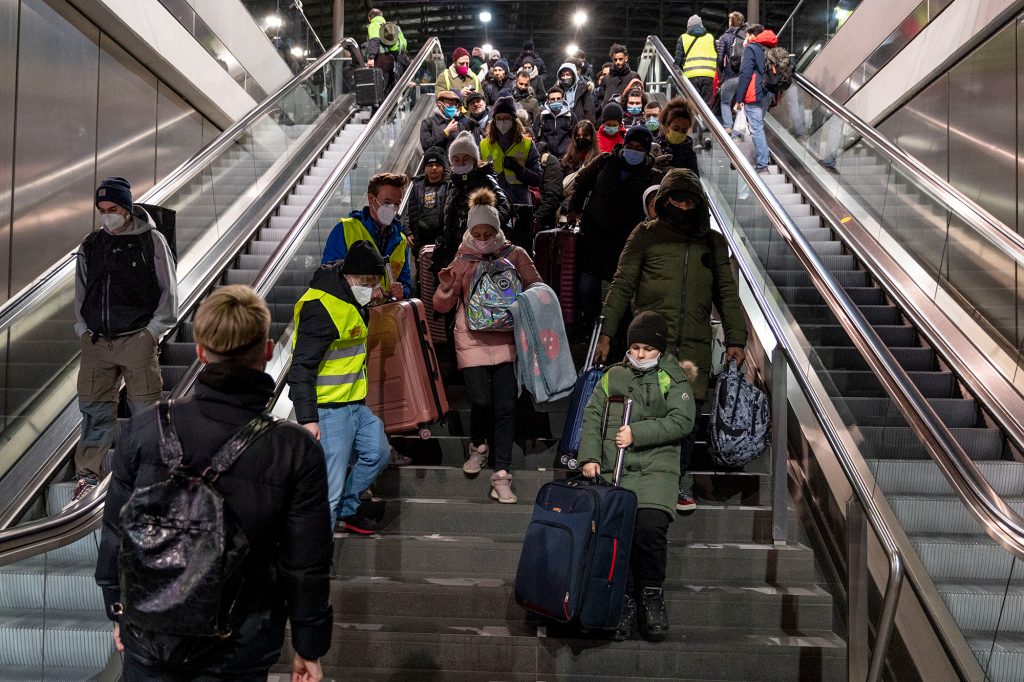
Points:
[(363, 295), (386, 213), (643, 365), (463, 170), (112, 222), (503, 126)]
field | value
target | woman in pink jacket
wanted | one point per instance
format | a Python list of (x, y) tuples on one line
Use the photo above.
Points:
[(485, 357)]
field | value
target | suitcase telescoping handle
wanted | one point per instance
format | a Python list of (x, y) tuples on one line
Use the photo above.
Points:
[(588, 361), (627, 411)]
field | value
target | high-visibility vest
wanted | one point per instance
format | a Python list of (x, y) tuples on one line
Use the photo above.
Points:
[(373, 31), (355, 231), (492, 151), (469, 74), (701, 58), (342, 374)]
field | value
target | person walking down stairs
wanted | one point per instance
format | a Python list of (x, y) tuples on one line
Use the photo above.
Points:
[(484, 344)]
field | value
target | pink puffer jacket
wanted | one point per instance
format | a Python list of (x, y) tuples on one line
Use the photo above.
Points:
[(480, 349)]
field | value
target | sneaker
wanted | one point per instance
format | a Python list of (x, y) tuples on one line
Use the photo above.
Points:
[(685, 501), (501, 487), (398, 460), (763, 170), (476, 461), (83, 488), (357, 524), (654, 623), (627, 621)]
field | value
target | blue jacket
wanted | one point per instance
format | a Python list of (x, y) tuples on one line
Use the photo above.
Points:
[(753, 62), (386, 242)]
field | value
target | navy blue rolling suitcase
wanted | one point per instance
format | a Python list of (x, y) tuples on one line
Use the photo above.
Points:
[(590, 374), (575, 556)]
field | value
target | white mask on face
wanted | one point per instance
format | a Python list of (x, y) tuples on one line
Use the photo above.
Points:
[(503, 126), (386, 213), (643, 365), (362, 294), (463, 170), (112, 222)]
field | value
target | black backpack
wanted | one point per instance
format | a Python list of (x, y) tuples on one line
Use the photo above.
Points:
[(182, 554), (735, 55), (778, 69)]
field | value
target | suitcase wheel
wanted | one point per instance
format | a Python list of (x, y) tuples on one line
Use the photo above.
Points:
[(564, 459), (425, 433), (573, 463)]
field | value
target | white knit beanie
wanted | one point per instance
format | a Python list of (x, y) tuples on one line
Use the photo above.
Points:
[(482, 210), (464, 144)]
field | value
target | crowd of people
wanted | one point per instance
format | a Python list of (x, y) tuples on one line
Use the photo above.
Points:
[(507, 153)]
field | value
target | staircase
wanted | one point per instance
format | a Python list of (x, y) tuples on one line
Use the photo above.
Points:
[(431, 596)]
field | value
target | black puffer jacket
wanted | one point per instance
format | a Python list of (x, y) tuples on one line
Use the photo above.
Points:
[(551, 193), (615, 190), (614, 83), (456, 209), (277, 491)]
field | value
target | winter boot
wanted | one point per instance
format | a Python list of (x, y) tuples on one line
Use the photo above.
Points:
[(627, 621), (654, 625), (501, 487), (476, 461)]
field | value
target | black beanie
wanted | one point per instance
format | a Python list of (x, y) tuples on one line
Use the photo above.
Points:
[(504, 105), (648, 327), (611, 112), (363, 259), (435, 155), (641, 135), (116, 190)]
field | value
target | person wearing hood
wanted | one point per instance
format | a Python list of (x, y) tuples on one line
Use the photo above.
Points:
[(606, 197), (729, 65), (619, 75), (447, 121), (125, 300), (529, 67), (425, 210), (579, 92), (517, 164), (525, 97), (663, 413), (674, 139), (498, 80), (476, 62), (553, 129), (677, 266), (486, 358), (467, 174), (327, 379), (697, 56), (528, 55), (610, 132), (378, 224), (458, 76), (752, 91)]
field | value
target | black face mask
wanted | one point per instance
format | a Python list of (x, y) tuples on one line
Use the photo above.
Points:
[(677, 215), (583, 143)]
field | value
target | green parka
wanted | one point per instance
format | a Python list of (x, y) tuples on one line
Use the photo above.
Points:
[(678, 271), (663, 414)]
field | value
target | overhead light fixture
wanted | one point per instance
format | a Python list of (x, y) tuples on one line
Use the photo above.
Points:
[(273, 21), (487, 48), (485, 17), (571, 49), (579, 18)]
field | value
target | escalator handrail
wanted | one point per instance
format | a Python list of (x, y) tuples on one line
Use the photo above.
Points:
[(823, 280), (48, 533), (995, 231), (12, 309), (789, 19)]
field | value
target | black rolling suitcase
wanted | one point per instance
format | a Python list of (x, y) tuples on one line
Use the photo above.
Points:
[(370, 87), (575, 555)]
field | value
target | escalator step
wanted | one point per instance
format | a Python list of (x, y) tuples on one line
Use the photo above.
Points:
[(939, 515), (820, 314), (778, 247), (172, 374), (921, 477), (35, 585), (953, 412), (800, 278), (910, 358), (851, 383), (808, 295), (960, 558), (783, 260), (178, 353), (902, 335), (880, 442), (72, 640)]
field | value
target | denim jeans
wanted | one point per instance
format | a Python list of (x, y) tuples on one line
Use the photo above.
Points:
[(726, 93), (755, 120), (344, 430)]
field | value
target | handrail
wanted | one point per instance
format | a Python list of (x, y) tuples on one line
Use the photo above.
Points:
[(15, 306), (789, 19), (966, 209)]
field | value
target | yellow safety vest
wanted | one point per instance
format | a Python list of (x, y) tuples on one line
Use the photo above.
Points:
[(492, 151), (342, 374), (469, 74), (702, 58), (355, 231)]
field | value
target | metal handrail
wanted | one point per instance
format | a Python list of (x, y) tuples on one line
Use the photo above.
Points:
[(789, 19), (18, 304), (953, 200)]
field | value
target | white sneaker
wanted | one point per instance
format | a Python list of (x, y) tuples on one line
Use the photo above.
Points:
[(476, 461)]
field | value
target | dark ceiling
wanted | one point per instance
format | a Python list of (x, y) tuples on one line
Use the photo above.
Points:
[(548, 22)]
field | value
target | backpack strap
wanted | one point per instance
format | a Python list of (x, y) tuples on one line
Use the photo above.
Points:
[(170, 445), (173, 455)]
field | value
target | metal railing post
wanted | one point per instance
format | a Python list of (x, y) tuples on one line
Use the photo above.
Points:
[(780, 447), (857, 579)]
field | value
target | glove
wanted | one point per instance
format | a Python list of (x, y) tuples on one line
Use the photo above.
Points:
[(511, 164)]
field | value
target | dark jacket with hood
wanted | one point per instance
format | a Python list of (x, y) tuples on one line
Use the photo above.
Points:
[(580, 95), (277, 492), (753, 69), (493, 88), (682, 155), (318, 331), (615, 83), (527, 99), (615, 190), (456, 210), (724, 47), (678, 267), (554, 131), (426, 208), (551, 192), (432, 131)]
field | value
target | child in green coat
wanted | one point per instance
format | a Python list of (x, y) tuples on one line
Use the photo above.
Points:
[(663, 413)]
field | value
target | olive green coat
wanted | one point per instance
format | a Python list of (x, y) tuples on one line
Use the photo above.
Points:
[(663, 414), (678, 271)]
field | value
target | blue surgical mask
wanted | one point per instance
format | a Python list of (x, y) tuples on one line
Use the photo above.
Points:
[(450, 111), (634, 157), (555, 107), (611, 131), (635, 110), (653, 124)]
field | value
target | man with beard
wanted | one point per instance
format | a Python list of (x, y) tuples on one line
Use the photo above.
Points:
[(619, 76)]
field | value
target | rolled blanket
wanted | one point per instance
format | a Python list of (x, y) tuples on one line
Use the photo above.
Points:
[(544, 366)]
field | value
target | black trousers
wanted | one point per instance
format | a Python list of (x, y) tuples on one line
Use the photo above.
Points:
[(649, 554), (492, 415)]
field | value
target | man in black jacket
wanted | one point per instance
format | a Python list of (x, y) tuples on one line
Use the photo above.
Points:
[(276, 491), (426, 202), (440, 128), (619, 76)]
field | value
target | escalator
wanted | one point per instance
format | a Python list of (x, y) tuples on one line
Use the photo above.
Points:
[(932, 277), (235, 215)]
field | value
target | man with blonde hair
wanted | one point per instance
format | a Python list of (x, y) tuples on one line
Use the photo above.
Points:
[(276, 491)]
